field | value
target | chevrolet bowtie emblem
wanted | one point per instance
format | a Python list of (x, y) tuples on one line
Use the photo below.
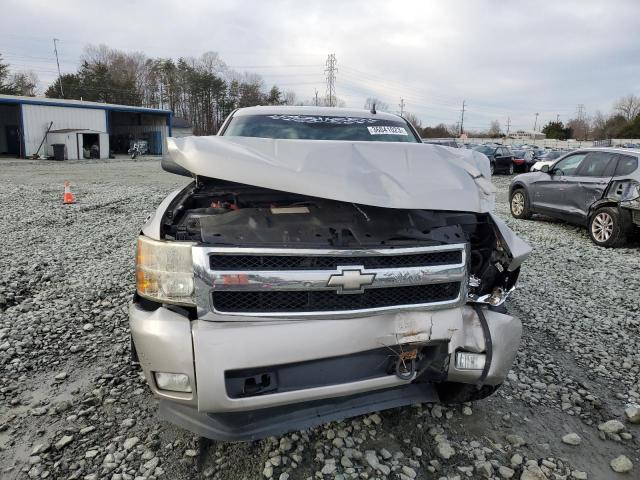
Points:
[(350, 280)]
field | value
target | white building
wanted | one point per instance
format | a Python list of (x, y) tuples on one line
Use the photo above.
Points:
[(32, 125), (527, 135)]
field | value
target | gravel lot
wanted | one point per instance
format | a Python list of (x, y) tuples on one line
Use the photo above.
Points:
[(72, 406)]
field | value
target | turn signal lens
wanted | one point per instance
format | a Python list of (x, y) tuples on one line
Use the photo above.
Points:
[(164, 271)]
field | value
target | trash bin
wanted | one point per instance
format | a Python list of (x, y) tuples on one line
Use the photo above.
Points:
[(58, 151)]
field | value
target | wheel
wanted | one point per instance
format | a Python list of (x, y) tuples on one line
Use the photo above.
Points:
[(450, 392), (606, 227), (492, 166), (519, 204), (511, 169)]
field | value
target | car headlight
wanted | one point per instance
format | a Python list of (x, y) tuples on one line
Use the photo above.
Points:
[(164, 271)]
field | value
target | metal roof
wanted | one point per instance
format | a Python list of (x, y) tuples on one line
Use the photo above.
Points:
[(63, 102)]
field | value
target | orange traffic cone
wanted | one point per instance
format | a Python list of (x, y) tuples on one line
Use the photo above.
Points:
[(68, 196)]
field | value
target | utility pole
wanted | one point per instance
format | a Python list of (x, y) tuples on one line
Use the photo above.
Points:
[(462, 118), (55, 49), (535, 124), (557, 118), (508, 125), (316, 97), (331, 69), (401, 105)]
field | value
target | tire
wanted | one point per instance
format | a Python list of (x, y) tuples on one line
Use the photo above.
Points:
[(606, 227), (450, 392), (519, 204), (510, 171), (492, 167)]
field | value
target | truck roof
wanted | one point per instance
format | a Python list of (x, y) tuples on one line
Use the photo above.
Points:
[(313, 110)]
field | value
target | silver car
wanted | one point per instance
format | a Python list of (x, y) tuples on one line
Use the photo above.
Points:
[(595, 187), (323, 263)]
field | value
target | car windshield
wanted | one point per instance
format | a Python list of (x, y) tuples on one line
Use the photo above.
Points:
[(552, 155), (519, 153), (320, 127), (485, 149)]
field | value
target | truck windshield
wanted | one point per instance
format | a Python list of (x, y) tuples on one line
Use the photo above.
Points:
[(320, 127)]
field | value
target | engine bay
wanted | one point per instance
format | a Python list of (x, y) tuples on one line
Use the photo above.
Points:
[(217, 213)]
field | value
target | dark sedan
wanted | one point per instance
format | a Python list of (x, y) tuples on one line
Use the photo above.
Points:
[(523, 160), (597, 188), (500, 158)]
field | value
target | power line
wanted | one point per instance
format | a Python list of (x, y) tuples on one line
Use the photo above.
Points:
[(331, 69)]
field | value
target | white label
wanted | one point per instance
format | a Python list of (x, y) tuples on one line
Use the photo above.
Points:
[(387, 131)]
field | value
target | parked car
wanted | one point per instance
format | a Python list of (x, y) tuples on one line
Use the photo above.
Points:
[(445, 142), (298, 281), (500, 158), (523, 160), (597, 188), (548, 159)]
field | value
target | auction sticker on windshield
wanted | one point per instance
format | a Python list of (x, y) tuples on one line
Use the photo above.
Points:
[(387, 130)]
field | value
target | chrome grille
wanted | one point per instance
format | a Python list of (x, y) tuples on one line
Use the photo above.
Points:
[(312, 282), (310, 262)]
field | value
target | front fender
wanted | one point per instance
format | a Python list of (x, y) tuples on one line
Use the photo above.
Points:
[(518, 248)]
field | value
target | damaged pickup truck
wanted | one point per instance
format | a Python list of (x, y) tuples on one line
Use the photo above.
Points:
[(323, 263), (595, 187)]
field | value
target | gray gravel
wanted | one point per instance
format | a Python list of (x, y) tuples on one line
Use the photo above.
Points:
[(72, 406)]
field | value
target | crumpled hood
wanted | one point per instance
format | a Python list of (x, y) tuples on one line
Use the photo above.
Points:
[(391, 175)]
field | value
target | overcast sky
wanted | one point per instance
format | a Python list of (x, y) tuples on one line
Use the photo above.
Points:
[(505, 58)]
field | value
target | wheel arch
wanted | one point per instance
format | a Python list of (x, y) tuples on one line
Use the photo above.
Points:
[(515, 186), (604, 202)]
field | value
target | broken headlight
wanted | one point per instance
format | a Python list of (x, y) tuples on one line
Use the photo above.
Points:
[(164, 271)]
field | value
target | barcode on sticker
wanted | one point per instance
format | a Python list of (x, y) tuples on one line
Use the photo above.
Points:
[(387, 131)]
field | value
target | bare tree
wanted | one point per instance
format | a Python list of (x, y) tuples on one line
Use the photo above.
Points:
[(598, 125), (494, 129), (579, 127), (413, 120), (628, 106), (289, 97), (25, 83), (380, 105)]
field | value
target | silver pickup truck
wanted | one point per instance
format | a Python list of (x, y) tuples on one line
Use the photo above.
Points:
[(323, 263)]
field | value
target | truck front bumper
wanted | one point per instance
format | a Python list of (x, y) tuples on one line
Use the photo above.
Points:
[(307, 370)]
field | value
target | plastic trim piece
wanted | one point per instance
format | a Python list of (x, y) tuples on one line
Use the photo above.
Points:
[(257, 424)]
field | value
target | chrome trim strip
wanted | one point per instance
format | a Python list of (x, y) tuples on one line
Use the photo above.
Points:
[(319, 279), (207, 281), (361, 252)]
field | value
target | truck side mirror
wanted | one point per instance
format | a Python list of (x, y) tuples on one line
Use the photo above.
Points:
[(544, 168)]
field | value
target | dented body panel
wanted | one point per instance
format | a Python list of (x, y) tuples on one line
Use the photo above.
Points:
[(328, 278), (575, 197)]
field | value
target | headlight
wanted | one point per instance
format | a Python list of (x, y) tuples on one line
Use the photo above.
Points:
[(164, 271)]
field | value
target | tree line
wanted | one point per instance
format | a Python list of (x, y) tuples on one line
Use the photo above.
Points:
[(622, 122), (17, 83), (203, 90)]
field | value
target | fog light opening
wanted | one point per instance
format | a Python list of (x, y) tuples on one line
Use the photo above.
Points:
[(470, 361), (173, 382)]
